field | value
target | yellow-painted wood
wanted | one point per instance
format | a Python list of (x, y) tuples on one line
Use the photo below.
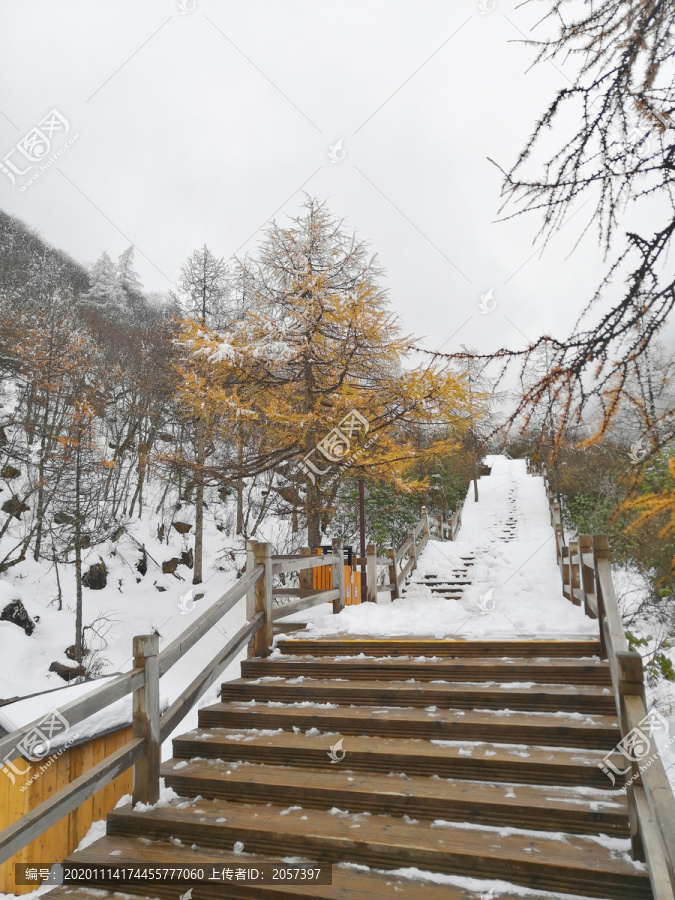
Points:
[(54, 773)]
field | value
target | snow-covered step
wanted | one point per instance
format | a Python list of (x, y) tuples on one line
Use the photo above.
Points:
[(577, 811), (584, 671), (555, 862), (347, 881), (470, 760), (561, 729), (446, 695), (417, 647)]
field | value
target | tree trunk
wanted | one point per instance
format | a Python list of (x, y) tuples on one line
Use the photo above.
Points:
[(78, 563), (240, 485), (199, 505), (40, 513), (313, 509)]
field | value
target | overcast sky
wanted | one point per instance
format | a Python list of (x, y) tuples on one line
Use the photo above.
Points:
[(201, 124)]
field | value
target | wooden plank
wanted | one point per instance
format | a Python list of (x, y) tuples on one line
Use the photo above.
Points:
[(347, 883), (185, 702), (338, 646), (263, 600), (467, 669), (371, 692), (576, 864), (543, 729), (525, 806), (660, 874), (485, 761), (145, 722), (316, 598), (17, 807), (657, 788), (78, 710), (34, 822), (403, 549), (300, 563), (180, 646)]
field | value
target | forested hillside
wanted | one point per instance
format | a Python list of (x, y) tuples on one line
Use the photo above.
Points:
[(144, 438)]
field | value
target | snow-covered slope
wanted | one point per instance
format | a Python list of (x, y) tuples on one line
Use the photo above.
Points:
[(515, 588)]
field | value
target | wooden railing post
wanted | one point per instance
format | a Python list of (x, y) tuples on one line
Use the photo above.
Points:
[(250, 594), (631, 683), (145, 719), (413, 548), (338, 575), (371, 573), (306, 575), (600, 551), (263, 599), (425, 516), (574, 572), (393, 573)]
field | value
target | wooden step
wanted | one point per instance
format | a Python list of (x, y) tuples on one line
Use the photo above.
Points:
[(542, 729), (571, 864), (353, 645), (555, 671), (455, 695), (486, 761), (520, 806), (348, 883)]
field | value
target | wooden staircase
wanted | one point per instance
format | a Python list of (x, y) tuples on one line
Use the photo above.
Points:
[(475, 759)]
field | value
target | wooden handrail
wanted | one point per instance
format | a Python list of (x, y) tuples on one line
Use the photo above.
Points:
[(38, 820), (587, 578), (185, 641), (77, 710)]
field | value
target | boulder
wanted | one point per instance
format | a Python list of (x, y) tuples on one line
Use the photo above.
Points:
[(142, 564), (9, 472), (67, 672), (160, 588), (63, 518), (182, 527), (70, 651), (16, 613), (187, 558), (14, 507), (170, 566), (96, 578)]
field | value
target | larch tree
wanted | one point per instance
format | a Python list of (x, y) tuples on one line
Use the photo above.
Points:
[(105, 291), (318, 342), (607, 139)]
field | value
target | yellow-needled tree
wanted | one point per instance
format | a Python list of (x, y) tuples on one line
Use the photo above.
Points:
[(318, 340)]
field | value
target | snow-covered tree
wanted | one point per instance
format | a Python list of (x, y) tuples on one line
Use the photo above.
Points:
[(126, 274), (105, 290), (205, 287)]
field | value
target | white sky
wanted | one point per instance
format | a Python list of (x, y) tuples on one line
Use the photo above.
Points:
[(201, 127)]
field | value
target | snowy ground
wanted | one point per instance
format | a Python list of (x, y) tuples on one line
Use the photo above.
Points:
[(515, 589)]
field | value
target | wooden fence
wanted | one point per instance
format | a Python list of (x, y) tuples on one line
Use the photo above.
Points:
[(141, 748), (39, 780), (587, 581)]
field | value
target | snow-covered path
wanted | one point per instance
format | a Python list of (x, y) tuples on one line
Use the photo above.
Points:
[(515, 588)]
